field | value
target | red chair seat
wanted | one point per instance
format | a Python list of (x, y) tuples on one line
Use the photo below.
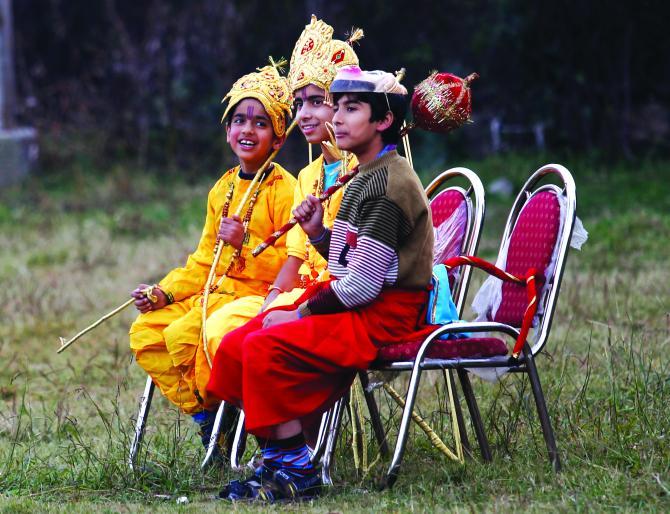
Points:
[(449, 349)]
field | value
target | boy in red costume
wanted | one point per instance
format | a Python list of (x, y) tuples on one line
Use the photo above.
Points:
[(289, 364)]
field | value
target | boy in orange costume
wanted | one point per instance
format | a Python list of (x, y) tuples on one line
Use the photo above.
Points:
[(166, 336)]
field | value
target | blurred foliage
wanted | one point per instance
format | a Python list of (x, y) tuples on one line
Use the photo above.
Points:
[(141, 80), (621, 204)]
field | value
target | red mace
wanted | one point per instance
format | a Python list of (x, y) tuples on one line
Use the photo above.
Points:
[(442, 102)]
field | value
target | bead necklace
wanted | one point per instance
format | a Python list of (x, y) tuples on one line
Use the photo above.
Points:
[(237, 263)]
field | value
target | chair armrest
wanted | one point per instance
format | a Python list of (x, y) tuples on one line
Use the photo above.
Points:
[(530, 280)]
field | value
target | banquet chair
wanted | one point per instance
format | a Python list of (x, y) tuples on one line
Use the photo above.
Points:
[(460, 211), (530, 266)]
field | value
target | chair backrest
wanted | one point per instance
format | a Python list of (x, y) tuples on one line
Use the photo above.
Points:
[(465, 238), (537, 235)]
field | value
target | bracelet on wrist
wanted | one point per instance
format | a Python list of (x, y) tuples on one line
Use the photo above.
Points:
[(320, 237), (275, 288)]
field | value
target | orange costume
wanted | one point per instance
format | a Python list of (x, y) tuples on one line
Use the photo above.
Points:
[(166, 342), (313, 269)]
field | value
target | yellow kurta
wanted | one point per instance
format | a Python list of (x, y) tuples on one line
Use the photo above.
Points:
[(237, 313), (166, 341)]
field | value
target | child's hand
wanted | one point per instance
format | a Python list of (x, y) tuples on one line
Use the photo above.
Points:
[(232, 231), (143, 304), (278, 317), (310, 216)]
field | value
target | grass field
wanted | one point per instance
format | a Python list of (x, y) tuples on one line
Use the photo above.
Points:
[(73, 246)]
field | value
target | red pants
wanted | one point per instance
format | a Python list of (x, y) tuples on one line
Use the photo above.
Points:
[(299, 369)]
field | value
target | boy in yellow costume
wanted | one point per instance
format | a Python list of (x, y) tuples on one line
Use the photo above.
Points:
[(315, 60), (166, 336)]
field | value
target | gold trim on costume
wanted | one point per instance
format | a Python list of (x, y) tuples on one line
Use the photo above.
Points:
[(317, 56)]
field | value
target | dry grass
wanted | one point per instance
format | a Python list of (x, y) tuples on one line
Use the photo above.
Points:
[(67, 419)]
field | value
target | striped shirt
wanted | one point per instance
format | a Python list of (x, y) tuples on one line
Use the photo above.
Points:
[(382, 237)]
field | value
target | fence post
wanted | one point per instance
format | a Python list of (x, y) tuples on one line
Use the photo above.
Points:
[(18, 145)]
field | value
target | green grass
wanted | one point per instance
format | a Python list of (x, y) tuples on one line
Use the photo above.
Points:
[(72, 247)]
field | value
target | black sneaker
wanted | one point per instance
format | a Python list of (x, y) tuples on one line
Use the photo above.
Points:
[(248, 489), (298, 487), (280, 486)]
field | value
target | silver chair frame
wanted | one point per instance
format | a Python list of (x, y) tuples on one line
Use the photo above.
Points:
[(140, 423), (475, 201), (525, 363), (140, 426)]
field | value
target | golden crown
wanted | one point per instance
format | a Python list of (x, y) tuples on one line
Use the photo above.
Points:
[(268, 87), (317, 56)]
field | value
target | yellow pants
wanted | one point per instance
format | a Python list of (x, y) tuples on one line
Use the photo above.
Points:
[(233, 315), (166, 343)]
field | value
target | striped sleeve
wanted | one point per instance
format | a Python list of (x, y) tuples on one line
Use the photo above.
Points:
[(374, 260), (367, 273)]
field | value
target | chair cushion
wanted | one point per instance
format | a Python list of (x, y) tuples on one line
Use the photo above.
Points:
[(444, 204), (449, 349), (531, 246)]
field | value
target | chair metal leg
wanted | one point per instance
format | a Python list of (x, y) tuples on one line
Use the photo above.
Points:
[(331, 439), (394, 468), (140, 424), (448, 375), (542, 412), (375, 418), (320, 445), (214, 439), (239, 443), (475, 416), (225, 420)]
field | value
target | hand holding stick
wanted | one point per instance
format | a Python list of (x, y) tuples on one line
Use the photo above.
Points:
[(148, 292), (292, 222)]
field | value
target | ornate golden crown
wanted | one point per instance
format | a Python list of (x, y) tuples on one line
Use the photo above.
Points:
[(317, 56), (268, 87)]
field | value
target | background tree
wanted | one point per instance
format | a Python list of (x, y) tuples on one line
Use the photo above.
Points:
[(143, 79)]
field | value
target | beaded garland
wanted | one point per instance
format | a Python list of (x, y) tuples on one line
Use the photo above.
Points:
[(237, 263)]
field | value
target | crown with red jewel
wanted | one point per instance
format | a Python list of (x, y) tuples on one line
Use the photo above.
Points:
[(268, 87), (317, 57)]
